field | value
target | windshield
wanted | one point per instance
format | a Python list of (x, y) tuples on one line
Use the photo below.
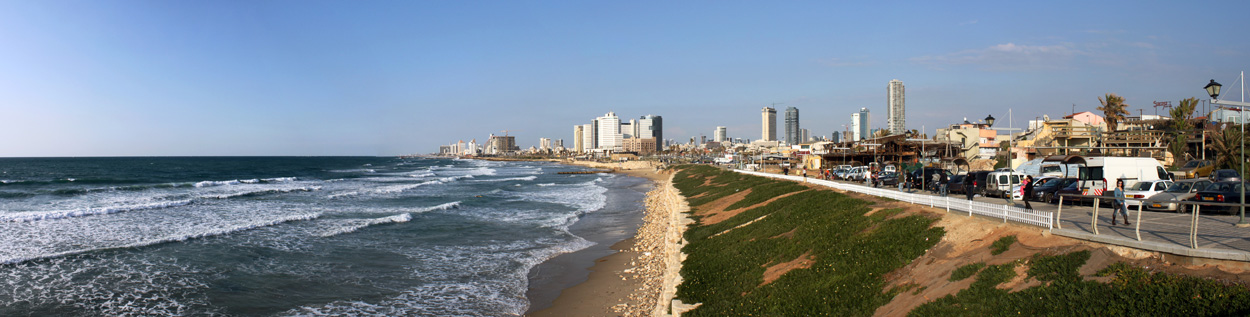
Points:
[(1143, 186), (1180, 187), (1191, 164)]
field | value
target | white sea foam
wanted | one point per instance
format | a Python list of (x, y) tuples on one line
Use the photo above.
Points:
[(526, 178), (382, 190), (216, 183), (262, 191), (357, 224), (547, 184), (60, 238), (28, 216), (450, 205)]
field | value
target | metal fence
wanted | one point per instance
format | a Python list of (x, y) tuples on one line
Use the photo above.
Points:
[(1044, 219)]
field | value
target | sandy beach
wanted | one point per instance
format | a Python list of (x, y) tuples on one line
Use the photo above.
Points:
[(641, 277)]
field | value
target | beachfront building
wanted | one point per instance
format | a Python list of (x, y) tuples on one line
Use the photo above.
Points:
[(500, 145), (578, 139), (651, 127), (629, 129), (590, 140), (640, 146), (975, 140), (793, 135), (769, 116), (719, 134), (859, 125), (544, 144), (609, 132), (805, 136), (895, 106)]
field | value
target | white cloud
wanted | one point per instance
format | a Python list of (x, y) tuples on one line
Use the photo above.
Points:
[(1008, 57)]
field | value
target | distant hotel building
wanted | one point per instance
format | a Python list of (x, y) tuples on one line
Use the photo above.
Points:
[(859, 125), (578, 139), (719, 134), (652, 127), (609, 132), (793, 132), (769, 116), (895, 107)]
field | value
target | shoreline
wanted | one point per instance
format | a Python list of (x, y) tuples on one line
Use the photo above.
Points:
[(633, 280)]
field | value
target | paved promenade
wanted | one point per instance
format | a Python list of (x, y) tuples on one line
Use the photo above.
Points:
[(1169, 232)]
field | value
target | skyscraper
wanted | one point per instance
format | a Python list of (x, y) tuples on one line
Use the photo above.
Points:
[(895, 105), (793, 132), (609, 132), (578, 139), (859, 125), (652, 127), (719, 135), (589, 137), (770, 124)]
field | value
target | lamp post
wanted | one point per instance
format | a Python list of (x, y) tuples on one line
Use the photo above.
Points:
[(1213, 89)]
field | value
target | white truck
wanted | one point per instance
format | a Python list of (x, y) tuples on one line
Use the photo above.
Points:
[(1100, 169)]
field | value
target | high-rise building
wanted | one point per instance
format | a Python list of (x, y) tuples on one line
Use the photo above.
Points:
[(544, 143), (719, 135), (859, 125), (629, 129), (590, 139), (652, 127), (895, 106), (805, 136), (609, 132), (578, 139), (792, 126), (769, 116)]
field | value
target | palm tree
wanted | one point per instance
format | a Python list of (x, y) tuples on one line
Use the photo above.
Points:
[(1180, 126), (1227, 146), (1113, 109)]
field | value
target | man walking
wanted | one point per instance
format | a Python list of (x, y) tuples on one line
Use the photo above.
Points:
[(1027, 191)]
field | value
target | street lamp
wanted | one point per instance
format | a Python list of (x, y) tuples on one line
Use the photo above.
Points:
[(989, 120), (1213, 89)]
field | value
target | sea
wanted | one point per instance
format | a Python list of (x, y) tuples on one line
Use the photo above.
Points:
[(295, 236)]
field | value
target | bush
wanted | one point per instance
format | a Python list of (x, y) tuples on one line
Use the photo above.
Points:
[(1002, 245), (966, 271)]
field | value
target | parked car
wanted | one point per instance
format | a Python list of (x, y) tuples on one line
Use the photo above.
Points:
[(1046, 191), (1225, 175), (887, 178), (956, 184), (1195, 169), (1220, 192), (978, 180), (1144, 189), (915, 179), (1073, 188), (1180, 191), (1001, 182)]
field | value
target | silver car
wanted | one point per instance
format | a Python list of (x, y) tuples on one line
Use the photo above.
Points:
[(1180, 191)]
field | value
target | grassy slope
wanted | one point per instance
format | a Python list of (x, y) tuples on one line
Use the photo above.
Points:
[(724, 272), (853, 252)]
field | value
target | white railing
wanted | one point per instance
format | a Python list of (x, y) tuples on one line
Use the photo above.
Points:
[(1044, 219)]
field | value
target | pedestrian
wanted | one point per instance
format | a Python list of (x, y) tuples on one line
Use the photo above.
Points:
[(942, 184), (804, 174), (1027, 191), (1120, 208), (970, 186)]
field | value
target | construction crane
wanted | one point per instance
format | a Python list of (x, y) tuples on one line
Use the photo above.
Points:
[(505, 132)]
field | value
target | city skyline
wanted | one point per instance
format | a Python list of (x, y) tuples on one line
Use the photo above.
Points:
[(389, 78)]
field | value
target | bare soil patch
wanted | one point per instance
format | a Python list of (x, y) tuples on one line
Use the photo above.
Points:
[(714, 212), (772, 273)]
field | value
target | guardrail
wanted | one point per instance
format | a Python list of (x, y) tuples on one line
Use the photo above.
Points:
[(1193, 222), (1044, 219)]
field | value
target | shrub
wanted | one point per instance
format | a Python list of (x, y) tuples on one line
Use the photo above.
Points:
[(1002, 244), (966, 271)]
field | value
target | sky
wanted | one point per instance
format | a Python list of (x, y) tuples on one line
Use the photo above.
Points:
[(230, 78)]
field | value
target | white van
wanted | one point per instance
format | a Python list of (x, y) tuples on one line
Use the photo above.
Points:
[(1129, 169), (1000, 182)]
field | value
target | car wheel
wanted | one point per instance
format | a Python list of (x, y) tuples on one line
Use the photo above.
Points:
[(1184, 209), (1047, 197)]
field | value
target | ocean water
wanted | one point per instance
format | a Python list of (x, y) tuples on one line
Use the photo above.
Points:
[(285, 236)]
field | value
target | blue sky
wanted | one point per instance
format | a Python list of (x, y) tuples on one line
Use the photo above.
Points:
[(138, 78)]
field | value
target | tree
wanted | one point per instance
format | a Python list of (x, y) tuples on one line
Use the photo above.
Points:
[(1227, 146), (1180, 126), (1113, 109)]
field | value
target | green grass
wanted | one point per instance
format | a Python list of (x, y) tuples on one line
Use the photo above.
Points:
[(847, 277), (966, 271), (1132, 291), (1002, 245)]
